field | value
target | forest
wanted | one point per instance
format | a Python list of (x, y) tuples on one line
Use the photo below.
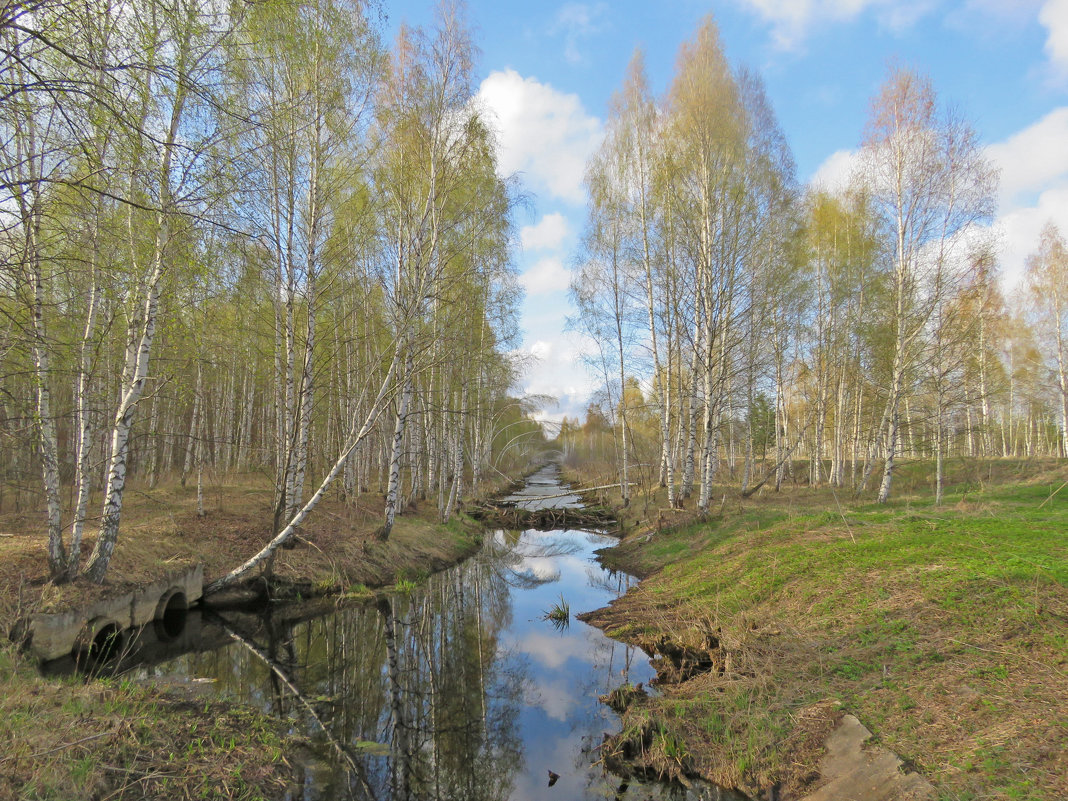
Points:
[(261, 322), (246, 238), (743, 321), (258, 239)]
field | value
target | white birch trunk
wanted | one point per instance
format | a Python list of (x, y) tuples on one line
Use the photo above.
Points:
[(194, 426), (138, 355), (400, 423), (115, 485), (46, 426)]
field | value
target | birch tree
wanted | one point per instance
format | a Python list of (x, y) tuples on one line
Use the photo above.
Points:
[(1047, 287), (183, 38), (931, 185), (306, 73), (604, 290), (708, 130), (431, 143), (63, 117)]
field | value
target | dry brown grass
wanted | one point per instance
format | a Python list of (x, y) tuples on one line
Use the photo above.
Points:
[(161, 533), (107, 740), (113, 740)]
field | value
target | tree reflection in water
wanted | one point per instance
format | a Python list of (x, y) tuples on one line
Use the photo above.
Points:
[(458, 690)]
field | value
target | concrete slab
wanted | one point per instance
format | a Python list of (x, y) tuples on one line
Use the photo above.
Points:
[(855, 773)]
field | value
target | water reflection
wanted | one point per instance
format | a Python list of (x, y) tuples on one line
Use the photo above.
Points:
[(459, 690), (543, 490)]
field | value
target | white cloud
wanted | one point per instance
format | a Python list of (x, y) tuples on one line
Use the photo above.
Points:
[(558, 369), (541, 350), (991, 21), (899, 16), (1019, 231), (836, 171), (547, 275), (1034, 188), (543, 133), (1033, 158), (791, 21), (548, 234), (1054, 16)]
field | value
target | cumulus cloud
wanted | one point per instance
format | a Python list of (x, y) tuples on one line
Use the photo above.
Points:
[(548, 234), (1054, 16), (836, 171), (1034, 188), (543, 133), (792, 21), (558, 369), (541, 350), (1030, 159), (1019, 229), (547, 275)]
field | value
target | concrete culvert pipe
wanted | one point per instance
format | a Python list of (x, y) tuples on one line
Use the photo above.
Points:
[(171, 613), (102, 640)]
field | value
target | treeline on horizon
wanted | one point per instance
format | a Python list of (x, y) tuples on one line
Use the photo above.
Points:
[(247, 237), (740, 321)]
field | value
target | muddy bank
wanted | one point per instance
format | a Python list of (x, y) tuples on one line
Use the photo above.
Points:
[(679, 731)]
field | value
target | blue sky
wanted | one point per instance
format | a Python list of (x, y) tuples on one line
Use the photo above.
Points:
[(548, 70)]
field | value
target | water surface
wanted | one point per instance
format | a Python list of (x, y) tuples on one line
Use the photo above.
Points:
[(458, 689)]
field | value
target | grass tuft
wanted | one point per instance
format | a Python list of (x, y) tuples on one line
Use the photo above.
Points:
[(559, 614)]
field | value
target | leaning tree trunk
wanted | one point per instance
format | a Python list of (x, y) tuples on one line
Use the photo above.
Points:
[(355, 439), (100, 559)]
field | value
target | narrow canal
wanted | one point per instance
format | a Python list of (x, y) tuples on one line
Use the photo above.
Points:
[(458, 688)]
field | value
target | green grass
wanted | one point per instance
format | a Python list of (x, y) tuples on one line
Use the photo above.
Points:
[(113, 738), (943, 629), (559, 614)]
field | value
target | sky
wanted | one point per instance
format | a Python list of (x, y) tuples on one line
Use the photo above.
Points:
[(548, 71)]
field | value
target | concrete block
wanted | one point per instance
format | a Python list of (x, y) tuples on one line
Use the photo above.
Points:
[(55, 636)]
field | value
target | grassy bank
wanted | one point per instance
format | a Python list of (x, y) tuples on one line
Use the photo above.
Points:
[(72, 739), (112, 739), (945, 630)]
